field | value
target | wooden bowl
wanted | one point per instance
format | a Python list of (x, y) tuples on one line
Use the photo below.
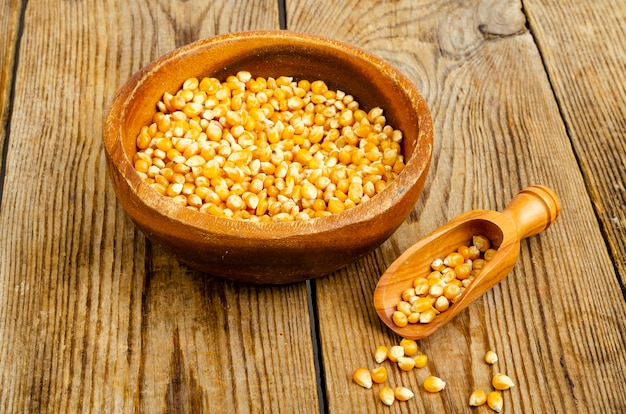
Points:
[(269, 252)]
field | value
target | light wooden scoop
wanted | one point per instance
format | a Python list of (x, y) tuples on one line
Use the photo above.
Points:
[(530, 212)]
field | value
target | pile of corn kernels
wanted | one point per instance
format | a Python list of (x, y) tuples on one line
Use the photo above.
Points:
[(267, 149), (447, 281), (406, 357)]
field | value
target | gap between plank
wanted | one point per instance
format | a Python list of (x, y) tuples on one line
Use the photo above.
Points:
[(282, 14), (311, 294), (9, 115)]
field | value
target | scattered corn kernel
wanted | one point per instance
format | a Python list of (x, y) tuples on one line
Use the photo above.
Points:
[(421, 361), (406, 363), (477, 398), (491, 357), (386, 395), (501, 381), (403, 393), (434, 384), (379, 374), (495, 401), (410, 347), (363, 377), (380, 354), (395, 352)]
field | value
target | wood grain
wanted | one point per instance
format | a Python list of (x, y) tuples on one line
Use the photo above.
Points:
[(591, 94), (9, 37), (93, 318), (498, 128)]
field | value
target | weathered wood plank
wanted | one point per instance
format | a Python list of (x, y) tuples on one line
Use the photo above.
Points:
[(498, 129), (92, 317), (585, 57)]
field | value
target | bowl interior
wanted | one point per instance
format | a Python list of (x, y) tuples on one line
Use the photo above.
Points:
[(370, 80)]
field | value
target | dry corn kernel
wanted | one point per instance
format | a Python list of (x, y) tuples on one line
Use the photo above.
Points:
[(491, 357), (380, 354), (477, 398), (403, 393), (481, 242), (489, 253), (495, 401), (395, 352), (501, 381), (410, 346), (386, 395), (404, 307), (453, 259), (434, 384), (421, 361), (445, 284), (406, 363), (379, 374), (400, 319), (272, 121), (362, 377), (428, 316)]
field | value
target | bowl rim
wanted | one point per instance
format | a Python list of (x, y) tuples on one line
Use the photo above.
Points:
[(415, 167)]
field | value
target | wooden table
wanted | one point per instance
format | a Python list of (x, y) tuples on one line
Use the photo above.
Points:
[(93, 318)]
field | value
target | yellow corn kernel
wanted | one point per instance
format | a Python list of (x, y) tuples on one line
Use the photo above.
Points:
[(408, 294), (435, 291), (406, 363), (421, 286), (451, 291), (489, 253), (454, 259), (363, 377), (481, 242), (335, 205), (414, 317), (491, 357), (403, 393), (495, 401), (400, 319), (423, 304), (404, 307), (428, 316), (380, 354), (434, 384), (442, 304), (501, 381), (420, 361), (395, 352), (477, 398), (379, 374), (437, 265), (410, 346), (462, 271), (386, 395)]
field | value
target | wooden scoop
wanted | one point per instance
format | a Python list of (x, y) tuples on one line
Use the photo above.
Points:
[(530, 212)]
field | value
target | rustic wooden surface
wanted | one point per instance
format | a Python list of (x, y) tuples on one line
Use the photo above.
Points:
[(93, 318)]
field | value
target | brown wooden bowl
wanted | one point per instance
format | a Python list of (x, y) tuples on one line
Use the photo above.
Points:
[(269, 252)]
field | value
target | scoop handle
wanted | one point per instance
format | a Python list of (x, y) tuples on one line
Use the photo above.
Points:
[(533, 210)]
